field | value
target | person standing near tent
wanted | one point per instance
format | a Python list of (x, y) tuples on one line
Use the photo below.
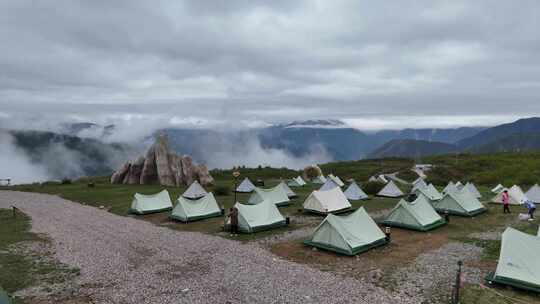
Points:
[(531, 207), (234, 220), (506, 201)]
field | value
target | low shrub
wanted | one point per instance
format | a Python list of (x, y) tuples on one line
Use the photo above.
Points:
[(222, 190), (372, 188)]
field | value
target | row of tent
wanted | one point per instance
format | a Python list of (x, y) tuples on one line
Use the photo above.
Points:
[(357, 232), (516, 194)]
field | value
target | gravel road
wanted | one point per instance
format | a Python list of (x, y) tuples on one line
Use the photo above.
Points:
[(125, 260)]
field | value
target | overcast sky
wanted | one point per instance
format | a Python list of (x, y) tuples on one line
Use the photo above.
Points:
[(374, 63)]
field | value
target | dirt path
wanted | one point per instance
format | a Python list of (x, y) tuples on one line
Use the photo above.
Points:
[(125, 260)]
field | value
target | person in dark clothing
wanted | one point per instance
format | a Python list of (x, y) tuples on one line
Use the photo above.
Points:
[(531, 206), (234, 220)]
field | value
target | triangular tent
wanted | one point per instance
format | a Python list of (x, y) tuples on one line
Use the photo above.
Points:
[(512, 200), (294, 182), (354, 192), (430, 192), (378, 178), (324, 202), (459, 203), (288, 191), (276, 195), (195, 191), (534, 194), (417, 215), (472, 189), (459, 185), (301, 181), (143, 204), (349, 234), (390, 190), (263, 216), (516, 192), (246, 186), (451, 187), (319, 180), (419, 182), (497, 189), (187, 210), (329, 184), (518, 264), (336, 180)]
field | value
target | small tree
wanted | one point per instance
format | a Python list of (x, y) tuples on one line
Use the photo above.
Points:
[(311, 172)]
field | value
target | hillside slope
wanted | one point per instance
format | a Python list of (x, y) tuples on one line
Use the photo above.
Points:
[(411, 148)]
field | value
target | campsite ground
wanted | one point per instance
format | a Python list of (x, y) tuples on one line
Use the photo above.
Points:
[(384, 266)]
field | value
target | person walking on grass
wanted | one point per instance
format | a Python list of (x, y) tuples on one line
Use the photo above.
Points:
[(234, 220), (531, 206), (506, 201)]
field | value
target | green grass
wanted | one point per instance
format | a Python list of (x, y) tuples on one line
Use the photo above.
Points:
[(21, 271)]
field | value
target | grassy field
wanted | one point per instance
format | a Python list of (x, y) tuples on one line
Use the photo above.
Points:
[(20, 270), (485, 170)]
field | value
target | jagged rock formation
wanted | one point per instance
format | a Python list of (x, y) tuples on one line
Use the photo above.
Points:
[(161, 166), (311, 172)]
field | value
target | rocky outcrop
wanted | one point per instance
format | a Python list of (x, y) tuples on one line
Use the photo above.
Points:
[(161, 166), (311, 172)]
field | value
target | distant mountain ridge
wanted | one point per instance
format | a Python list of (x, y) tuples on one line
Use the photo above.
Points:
[(521, 135)]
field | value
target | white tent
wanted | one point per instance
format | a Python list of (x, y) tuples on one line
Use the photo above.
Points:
[(276, 195), (354, 192), (349, 234), (451, 187), (195, 191), (329, 184), (534, 194), (296, 182), (187, 210), (319, 180), (497, 189), (518, 264), (262, 216), (328, 201), (430, 192), (390, 190), (336, 180), (378, 178), (518, 193), (246, 186), (419, 183), (472, 189), (512, 199), (143, 204), (288, 191), (459, 185)]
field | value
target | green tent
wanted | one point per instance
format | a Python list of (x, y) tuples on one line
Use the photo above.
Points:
[(143, 204), (459, 203), (418, 215), (276, 195), (194, 191), (4, 298), (518, 265), (294, 182), (319, 180), (429, 191), (288, 191), (262, 216), (187, 210), (348, 234)]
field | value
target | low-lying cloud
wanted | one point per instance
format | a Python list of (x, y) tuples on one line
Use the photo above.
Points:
[(16, 165)]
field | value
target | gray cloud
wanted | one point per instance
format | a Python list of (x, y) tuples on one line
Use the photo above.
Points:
[(254, 61)]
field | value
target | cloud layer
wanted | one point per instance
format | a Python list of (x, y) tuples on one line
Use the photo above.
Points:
[(265, 61)]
